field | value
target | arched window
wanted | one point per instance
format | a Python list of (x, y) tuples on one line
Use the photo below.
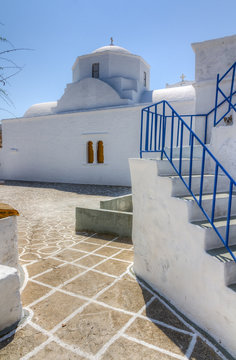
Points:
[(95, 70), (90, 152), (100, 154)]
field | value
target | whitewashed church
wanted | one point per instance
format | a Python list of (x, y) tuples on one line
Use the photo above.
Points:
[(184, 206), (87, 135)]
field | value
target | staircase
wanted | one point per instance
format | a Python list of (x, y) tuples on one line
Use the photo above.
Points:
[(212, 243), (184, 219)]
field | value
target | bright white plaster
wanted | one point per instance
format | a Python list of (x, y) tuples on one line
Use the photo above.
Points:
[(170, 256)]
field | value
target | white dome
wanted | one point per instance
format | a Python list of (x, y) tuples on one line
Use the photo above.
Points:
[(40, 109), (112, 48)]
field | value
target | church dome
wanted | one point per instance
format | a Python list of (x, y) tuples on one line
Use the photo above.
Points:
[(113, 48)]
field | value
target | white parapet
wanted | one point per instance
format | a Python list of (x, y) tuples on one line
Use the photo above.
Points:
[(10, 303), (8, 241)]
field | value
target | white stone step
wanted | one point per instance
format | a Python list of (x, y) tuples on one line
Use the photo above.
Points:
[(222, 255), (221, 206), (179, 189), (212, 240), (197, 151), (166, 169)]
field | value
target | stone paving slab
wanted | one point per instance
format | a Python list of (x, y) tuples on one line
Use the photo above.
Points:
[(82, 298)]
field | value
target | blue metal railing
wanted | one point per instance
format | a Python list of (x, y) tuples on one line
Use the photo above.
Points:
[(219, 91), (162, 129)]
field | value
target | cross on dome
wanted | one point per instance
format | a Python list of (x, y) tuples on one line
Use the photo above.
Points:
[(182, 77), (111, 41)]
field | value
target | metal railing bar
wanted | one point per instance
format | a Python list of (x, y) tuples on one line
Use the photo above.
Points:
[(191, 164), (147, 131), (181, 147), (229, 213), (214, 194), (225, 74), (172, 135), (155, 131), (232, 87), (141, 136), (160, 130), (202, 177), (226, 99), (151, 131)]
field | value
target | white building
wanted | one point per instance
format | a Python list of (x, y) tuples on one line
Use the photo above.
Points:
[(102, 106), (184, 207)]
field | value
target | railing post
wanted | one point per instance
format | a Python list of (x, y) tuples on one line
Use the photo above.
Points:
[(202, 177), (229, 212), (141, 136), (191, 162), (172, 135), (163, 130), (232, 86), (181, 147), (216, 99), (214, 194), (147, 131), (151, 135), (206, 124), (155, 133), (191, 127)]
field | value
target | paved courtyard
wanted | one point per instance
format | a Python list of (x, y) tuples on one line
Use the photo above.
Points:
[(82, 300)]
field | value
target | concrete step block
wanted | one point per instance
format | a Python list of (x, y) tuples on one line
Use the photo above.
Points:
[(212, 240), (104, 221), (186, 150), (166, 169), (221, 206), (179, 188), (223, 256)]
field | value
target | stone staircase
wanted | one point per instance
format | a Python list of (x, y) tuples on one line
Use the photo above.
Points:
[(213, 245), (176, 249)]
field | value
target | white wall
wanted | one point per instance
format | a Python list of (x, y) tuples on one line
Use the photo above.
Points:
[(87, 94), (214, 56), (223, 145), (111, 64), (169, 255), (54, 148)]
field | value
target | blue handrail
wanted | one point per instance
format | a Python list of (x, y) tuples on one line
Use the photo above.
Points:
[(153, 140), (226, 98)]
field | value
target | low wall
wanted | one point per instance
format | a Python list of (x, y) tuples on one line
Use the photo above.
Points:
[(10, 302), (8, 241), (121, 203), (104, 221), (169, 255)]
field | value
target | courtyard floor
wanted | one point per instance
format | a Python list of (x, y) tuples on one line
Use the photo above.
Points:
[(83, 301)]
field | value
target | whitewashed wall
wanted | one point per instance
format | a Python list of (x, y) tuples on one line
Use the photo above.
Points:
[(169, 254), (54, 148), (223, 145), (212, 57)]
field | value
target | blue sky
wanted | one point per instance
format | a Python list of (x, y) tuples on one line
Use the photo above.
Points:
[(58, 31)]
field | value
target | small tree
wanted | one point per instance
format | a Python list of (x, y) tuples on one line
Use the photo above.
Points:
[(8, 68)]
